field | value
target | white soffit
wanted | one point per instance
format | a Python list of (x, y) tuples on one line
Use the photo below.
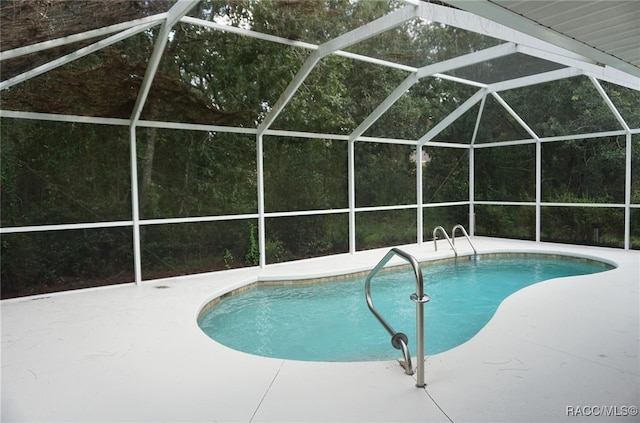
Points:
[(605, 31)]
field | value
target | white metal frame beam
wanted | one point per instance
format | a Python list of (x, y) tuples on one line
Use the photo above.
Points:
[(76, 55), (539, 78), (135, 206), (177, 11), (58, 42)]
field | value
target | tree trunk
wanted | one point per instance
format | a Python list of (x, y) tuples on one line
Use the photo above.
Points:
[(147, 170)]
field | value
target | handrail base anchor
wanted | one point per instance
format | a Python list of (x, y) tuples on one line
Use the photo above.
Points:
[(424, 299), (408, 370)]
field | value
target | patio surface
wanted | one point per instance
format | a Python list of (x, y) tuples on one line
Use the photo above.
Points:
[(561, 350)]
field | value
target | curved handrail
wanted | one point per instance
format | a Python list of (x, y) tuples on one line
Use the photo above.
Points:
[(466, 235), (398, 339), (435, 238)]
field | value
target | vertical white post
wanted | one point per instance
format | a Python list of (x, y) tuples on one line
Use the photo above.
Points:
[(472, 181), (472, 171), (538, 189), (627, 195), (261, 220), (135, 206), (419, 192), (352, 197)]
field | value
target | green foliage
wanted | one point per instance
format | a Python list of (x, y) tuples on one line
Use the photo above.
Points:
[(505, 173), (589, 169), (583, 225), (322, 102), (385, 228), (33, 263), (252, 258), (299, 237), (447, 217), (63, 173), (227, 258), (302, 174), (187, 248), (445, 175), (506, 221), (275, 251), (199, 174), (385, 174), (563, 107)]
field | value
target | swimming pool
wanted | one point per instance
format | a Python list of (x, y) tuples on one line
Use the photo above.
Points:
[(330, 321)]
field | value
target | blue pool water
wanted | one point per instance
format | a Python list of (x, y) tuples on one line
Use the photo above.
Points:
[(330, 321)]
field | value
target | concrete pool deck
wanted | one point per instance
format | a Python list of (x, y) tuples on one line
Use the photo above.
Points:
[(561, 350)]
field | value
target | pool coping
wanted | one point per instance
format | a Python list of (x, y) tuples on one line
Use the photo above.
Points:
[(135, 353)]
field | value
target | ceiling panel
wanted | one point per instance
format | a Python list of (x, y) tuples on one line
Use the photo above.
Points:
[(589, 28), (610, 26)]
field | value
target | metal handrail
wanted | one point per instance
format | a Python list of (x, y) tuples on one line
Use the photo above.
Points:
[(398, 339), (466, 235), (435, 238)]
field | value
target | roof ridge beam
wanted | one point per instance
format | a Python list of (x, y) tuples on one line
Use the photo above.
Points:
[(539, 78), (605, 73), (368, 30), (460, 80), (357, 35), (177, 11), (490, 53)]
